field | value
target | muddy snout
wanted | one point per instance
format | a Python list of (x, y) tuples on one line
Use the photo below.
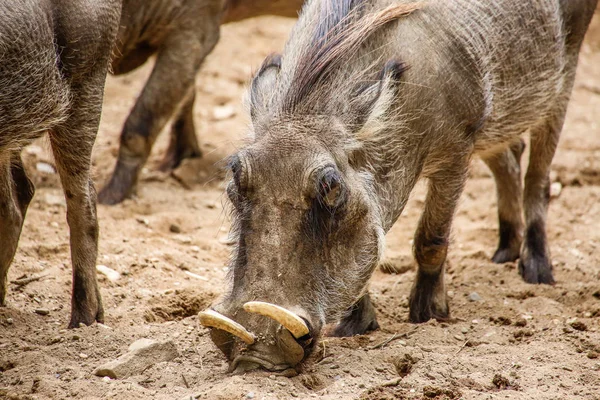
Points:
[(267, 336)]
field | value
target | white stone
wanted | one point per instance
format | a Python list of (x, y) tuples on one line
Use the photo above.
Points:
[(110, 273), (223, 112), (45, 167), (555, 189)]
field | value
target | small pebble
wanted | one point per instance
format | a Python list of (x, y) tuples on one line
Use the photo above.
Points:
[(45, 167), (175, 228), (521, 322), (578, 325), (83, 355), (110, 273), (9, 321), (143, 221), (250, 395), (555, 189), (223, 112), (42, 311), (474, 296), (465, 330), (185, 239)]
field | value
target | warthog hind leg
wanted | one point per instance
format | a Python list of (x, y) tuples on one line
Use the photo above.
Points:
[(184, 143), (16, 191), (507, 174), (172, 79), (535, 265), (72, 143)]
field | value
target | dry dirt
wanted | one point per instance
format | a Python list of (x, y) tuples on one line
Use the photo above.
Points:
[(516, 341)]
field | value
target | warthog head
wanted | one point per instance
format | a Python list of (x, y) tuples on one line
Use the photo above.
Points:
[(309, 236), (307, 218)]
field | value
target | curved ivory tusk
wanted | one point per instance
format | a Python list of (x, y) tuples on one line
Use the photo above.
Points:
[(288, 319), (213, 319)]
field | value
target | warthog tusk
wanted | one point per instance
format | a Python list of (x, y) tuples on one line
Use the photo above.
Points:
[(288, 319), (213, 319)]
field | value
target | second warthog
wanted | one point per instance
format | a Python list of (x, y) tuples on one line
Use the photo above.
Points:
[(367, 98), (181, 34)]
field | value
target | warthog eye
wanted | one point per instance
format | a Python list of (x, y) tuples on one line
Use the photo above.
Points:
[(330, 189), (328, 204), (237, 188)]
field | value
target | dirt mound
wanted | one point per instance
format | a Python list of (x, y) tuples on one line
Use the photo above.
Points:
[(178, 305)]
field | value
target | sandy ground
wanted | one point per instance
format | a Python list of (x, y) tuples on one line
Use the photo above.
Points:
[(516, 341)]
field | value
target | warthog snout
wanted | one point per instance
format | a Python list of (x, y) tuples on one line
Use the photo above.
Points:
[(268, 336)]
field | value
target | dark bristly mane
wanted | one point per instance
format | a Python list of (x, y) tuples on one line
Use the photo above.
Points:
[(340, 31)]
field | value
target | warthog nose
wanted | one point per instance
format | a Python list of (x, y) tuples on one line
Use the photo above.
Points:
[(275, 347)]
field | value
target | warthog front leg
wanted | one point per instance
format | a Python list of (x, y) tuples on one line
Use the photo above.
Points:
[(428, 295), (16, 191), (535, 265), (360, 318), (184, 143), (172, 79), (506, 168)]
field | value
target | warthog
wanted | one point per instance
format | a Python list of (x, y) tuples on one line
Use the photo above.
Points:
[(182, 34), (54, 56), (368, 97)]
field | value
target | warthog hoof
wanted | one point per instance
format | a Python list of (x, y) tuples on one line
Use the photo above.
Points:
[(536, 270), (86, 311), (174, 158), (504, 255), (121, 184), (361, 319), (428, 299)]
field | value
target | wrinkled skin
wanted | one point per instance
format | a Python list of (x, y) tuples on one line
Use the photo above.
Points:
[(54, 57), (357, 110), (181, 34)]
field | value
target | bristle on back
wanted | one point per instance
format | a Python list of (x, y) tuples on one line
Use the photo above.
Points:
[(339, 34)]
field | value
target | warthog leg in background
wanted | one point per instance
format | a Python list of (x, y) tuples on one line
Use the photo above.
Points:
[(16, 191), (428, 295), (535, 265), (183, 143), (506, 168), (169, 88)]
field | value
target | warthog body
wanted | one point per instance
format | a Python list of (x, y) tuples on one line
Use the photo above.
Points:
[(367, 98), (181, 34), (54, 57)]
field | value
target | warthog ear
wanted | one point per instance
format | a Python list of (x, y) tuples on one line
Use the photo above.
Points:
[(373, 101), (262, 84)]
